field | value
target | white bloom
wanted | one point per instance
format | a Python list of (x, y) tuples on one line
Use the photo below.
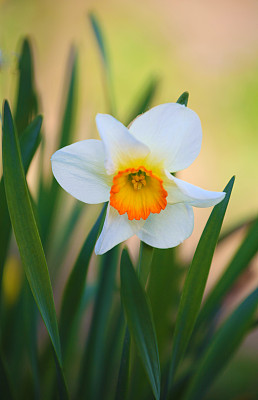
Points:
[(130, 168)]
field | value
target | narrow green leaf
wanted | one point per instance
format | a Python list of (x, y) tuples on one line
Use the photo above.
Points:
[(94, 350), (225, 342), (48, 200), (144, 263), (164, 290), (71, 100), (5, 230), (95, 25), (74, 288), (99, 38), (143, 269), (140, 322), (123, 377), (30, 314), (6, 389), (65, 234), (13, 344), (26, 232), (145, 100), (112, 352), (240, 261), (29, 142), (195, 284), (26, 106), (183, 99)]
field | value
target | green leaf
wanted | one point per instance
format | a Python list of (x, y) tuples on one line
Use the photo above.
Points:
[(74, 288), (237, 265), (140, 322), (99, 36), (144, 101), (195, 284), (5, 230), (112, 352), (183, 99), (144, 262), (29, 142), (143, 268), (71, 100), (26, 233), (65, 234), (123, 376), (26, 106), (223, 345), (6, 389), (48, 200), (164, 290), (94, 351), (30, 319)]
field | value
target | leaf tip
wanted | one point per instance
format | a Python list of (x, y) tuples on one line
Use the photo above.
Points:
[(183, 99)]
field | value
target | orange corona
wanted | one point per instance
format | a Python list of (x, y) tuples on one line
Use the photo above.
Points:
[(137, 192)]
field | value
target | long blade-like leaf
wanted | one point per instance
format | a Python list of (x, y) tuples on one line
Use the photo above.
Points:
[(140, 322), (5, 230), (164, 293), (112, 352), (94, 350), (48, 200), (195, 284), (6, 389), (26, 232), (240, 261), (26, 105), (31, 315), (144, 262), (123, 376), (224, 344), (65, 235), (74, 289), (106, 65), (145, 100), (29, 141)]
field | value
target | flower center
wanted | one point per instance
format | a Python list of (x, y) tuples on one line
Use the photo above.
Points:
[(137, 192), (138, 179)]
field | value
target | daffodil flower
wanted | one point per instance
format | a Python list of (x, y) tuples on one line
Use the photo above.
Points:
[(131, 169)]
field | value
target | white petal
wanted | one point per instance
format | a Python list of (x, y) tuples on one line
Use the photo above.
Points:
[(79, 169), (172, 132), (121, 147), (183, 192), (169, 228), (116, 229)]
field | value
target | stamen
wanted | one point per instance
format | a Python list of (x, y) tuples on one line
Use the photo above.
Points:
[(137, 192), (138, 179)]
